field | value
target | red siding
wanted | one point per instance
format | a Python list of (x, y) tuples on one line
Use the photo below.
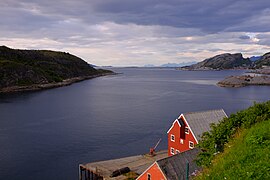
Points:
[(155, 173), (176, 130)]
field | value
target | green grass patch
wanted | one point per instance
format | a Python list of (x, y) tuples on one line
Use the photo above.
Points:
[(215, 140), (246, 156), (131, 175)]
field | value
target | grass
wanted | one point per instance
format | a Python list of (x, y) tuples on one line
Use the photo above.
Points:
[(246, 156), (131, 175), (220, 134)]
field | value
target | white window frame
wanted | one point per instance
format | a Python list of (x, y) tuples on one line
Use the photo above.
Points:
[(172, 138), (190, 143), (177, 151), (181, 141), (187, 130), (172, 151), (149, 176)]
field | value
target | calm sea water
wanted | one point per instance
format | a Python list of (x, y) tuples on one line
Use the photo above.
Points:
[(46, 134)]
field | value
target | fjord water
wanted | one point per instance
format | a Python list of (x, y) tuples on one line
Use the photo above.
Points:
[(46, 134)]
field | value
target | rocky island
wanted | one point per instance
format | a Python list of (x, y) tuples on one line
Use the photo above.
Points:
[(261, 75), (221, 62), (244, 80), (28, 70), (260, 68)]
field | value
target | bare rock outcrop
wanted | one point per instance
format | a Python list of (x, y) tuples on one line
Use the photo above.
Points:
[(244, 80), (220, 62)]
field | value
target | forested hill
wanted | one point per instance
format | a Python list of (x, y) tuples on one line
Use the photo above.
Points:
[(222, 61), (29, 67)]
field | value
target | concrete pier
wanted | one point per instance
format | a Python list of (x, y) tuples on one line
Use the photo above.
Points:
[(104, 169)]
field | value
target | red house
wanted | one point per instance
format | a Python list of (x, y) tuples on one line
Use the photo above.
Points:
[(173, 167), (186, 130)]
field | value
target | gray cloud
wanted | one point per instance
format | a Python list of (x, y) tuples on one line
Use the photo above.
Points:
[(264, 39), (244, 37), (209, 15), (137, 32)]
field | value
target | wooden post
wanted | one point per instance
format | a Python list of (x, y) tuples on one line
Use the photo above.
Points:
[(80, 172), (88, 174), (95, 174), (187, 170), (92, 176)]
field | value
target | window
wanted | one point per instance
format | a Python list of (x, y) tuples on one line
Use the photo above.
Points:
[(148, 176), (181, 141), (172, 150), (191, 145), (177, 151), (172, 138), (186, 130)]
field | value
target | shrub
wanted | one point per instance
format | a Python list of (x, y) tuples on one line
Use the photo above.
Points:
[(213, 142), (246, 156)]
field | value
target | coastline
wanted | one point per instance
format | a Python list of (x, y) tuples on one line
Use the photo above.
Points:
[(38, 87), (244, 80)]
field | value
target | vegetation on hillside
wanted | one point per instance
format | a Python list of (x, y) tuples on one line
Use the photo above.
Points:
[(230, 61), (250, 146), (247, 156), (263, 61), (221, 61), (27, 67)]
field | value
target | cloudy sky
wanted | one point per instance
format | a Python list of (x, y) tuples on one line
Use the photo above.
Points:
[(137, 32)]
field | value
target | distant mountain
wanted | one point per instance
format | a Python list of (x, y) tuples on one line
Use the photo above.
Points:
[(255, 58), (171, 64), (149, 65), (92, 65), (178, 64), (263, 61), (39, 67), (222, 61)]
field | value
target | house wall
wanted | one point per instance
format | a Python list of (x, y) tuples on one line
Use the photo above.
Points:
[(179, 133), (155, 173)]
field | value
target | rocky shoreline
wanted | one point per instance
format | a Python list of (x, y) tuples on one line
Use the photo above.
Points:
[(265, 71), (37, 87), (244, 80)]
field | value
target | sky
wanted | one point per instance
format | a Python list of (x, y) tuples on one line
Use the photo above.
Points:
[(137, 32)]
